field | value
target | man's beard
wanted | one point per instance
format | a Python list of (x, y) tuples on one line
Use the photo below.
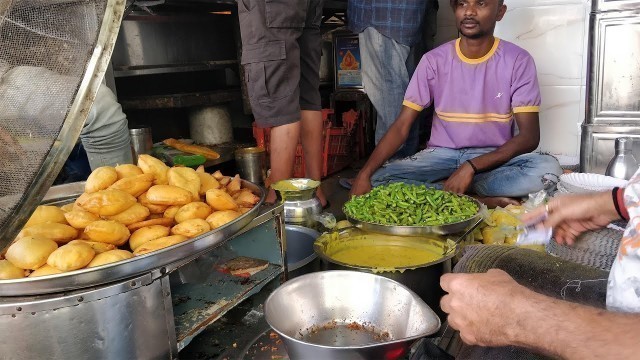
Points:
[(477, 35)]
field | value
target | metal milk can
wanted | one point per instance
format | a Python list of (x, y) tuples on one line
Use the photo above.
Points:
[(301, 206), (623, 164)]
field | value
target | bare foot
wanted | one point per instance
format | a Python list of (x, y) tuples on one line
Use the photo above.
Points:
[(271, 197), (494, 202), (320, 195)]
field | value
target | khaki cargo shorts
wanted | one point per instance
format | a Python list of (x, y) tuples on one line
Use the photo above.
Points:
[(281, 49)]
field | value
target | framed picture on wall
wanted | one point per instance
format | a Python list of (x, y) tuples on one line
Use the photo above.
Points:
[(347, 61)]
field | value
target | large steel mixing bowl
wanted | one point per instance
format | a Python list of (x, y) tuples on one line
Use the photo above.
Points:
[(348, 315)]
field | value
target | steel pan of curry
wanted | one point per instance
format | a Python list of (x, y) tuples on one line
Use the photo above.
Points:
[(422, 278), (83, 278)]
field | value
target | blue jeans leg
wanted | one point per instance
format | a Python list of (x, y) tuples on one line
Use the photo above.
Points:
[(519, 177), (385, 78), (424, 167)]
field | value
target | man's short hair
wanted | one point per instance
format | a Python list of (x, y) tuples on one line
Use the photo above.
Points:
[(454, 2)]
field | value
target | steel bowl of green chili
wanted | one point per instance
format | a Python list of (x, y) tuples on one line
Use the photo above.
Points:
[(412, 210)]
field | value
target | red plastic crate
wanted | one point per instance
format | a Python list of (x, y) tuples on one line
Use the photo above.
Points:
[(337, 151)]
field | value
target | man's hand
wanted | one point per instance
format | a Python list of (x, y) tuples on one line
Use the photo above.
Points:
[(361, 185), (479, 306), (460, 180), (571, 215)]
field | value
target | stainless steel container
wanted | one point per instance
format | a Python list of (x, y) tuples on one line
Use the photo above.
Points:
[(300, 202), (334, 314), (423, 279), (623, 164), (105, 322), (251, 164), (141, 142), (301, 258)]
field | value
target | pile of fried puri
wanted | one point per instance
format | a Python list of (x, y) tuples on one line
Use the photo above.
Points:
[(125, 211)]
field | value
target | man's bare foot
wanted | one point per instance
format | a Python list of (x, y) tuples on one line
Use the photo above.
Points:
[(320, 195), (271, 197), (494, 202)]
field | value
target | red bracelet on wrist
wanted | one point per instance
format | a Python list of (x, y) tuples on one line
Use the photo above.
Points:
[(618, 201)]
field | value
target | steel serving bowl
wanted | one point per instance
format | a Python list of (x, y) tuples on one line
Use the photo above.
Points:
[(336, 314), (401, 230), (78, 279)]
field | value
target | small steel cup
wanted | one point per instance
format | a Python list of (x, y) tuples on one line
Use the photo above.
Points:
[(141, 142), (251, 164)]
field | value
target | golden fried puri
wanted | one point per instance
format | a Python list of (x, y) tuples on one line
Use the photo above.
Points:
[(134, 185), (191, 228), (147, 233), (219, 218), (163, 221), (158, 244), (100, 179), (9, 271), (207, 182), (71, 257), (59, 233), (153, 208), (186, 178), (98, 247), (234, 185), (246, 198), (127, 170), (194, 210), (110, 257), (168, 195), (132, 215), (46, 214), (45, 269), (108, 202), (107, 231), (150, 165), (30, 252), (172, 211), (79, 218), (67, 207), (220, 200)]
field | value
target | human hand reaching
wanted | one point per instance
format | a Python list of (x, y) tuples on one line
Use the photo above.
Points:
[(460, 180), (481, 306), (571, 215), (360, 185)]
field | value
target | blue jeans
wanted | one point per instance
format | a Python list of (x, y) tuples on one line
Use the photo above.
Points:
[(385, 77), (519, 177)]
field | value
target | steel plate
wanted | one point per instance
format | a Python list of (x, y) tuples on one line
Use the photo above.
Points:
[(135, 266), (444, 229)]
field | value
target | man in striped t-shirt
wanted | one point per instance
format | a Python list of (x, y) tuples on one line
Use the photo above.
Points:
[(482, 88)]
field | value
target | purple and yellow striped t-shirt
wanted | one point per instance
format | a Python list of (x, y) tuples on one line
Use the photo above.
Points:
[(475, 99)]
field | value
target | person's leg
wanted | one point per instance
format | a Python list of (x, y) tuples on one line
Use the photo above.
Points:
[(271, 59), (310, 43), (424, 167), (385, 78), (105, 135), (519, 177)]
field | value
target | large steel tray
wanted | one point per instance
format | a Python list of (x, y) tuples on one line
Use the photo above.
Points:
[(445, 229), (125, 269)]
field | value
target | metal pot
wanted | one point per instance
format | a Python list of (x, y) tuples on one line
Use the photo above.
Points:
[(300, 202), (301, 259), (424, 279), (335, 314)]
